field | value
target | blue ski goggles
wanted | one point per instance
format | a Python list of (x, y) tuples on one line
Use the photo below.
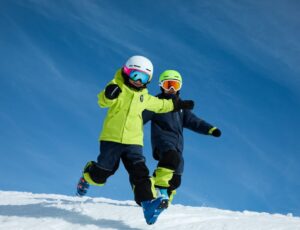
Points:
[(136, 75)]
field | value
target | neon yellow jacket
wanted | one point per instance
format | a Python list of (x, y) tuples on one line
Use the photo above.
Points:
[(124, 122)]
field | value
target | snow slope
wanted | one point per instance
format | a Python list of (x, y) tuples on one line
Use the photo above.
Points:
[(19, 210)]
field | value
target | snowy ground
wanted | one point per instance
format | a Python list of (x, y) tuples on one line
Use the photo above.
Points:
[(19, 210)]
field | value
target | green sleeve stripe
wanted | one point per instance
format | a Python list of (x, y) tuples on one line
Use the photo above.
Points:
[(211, 130)]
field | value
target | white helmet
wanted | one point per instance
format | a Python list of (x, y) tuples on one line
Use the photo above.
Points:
[(140, 63)]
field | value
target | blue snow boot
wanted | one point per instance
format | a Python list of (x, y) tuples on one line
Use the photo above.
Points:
[(82, 187), (153, 208), (163, 193)]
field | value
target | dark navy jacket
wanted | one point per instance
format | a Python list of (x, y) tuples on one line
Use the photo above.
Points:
[(167, 128)]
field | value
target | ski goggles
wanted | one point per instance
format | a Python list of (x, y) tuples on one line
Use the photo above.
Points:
[(169, 84), (135, 75)]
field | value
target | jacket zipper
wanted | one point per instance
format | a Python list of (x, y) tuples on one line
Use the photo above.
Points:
[(122, 138)]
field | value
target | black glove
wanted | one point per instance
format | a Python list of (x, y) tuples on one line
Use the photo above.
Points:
[(216, 132), (112, 91), (180, 104)]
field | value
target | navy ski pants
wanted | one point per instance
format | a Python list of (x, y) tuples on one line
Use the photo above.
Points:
[(132, 157)]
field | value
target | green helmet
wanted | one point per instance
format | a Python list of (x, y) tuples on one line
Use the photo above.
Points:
[(170, 75)]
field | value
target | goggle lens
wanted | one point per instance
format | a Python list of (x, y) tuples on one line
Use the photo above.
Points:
[(168, 84), (136, 75)]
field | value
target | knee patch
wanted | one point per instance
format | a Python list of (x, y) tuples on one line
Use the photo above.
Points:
[(169, 159), (95, 175)]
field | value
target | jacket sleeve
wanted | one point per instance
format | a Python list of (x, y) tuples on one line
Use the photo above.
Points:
[(157, 105), (194, 123), (147, 116), (103, 101)]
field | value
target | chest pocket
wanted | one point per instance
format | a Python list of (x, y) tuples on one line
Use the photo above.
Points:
[(139, 102)]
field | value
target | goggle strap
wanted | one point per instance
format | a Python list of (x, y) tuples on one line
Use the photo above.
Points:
[(128, 70)]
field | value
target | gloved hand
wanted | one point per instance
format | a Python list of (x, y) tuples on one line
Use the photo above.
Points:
[(182, 104), (215, 132), (112, 91)]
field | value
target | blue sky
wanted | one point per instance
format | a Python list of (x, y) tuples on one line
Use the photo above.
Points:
[(240, 64)]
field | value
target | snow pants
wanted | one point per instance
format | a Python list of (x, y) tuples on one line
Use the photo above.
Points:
[(132, 157), (169, 170)]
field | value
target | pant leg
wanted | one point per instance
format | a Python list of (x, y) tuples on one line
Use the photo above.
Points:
[(135, 164), (169, 169), (107, 162)]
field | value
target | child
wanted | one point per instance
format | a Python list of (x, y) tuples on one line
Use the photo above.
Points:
[(127, 96), (167, 136)]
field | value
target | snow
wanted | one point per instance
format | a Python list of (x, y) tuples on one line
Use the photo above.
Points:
[(20, 210)]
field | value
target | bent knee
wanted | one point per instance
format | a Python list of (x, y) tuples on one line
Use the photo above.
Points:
[(170, 159), (93, 173)]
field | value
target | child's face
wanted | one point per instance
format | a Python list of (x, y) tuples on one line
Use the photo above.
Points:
[(137, 83), (171, 91)]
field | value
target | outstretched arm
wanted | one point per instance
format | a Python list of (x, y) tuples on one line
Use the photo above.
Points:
[(192, 122), (159, 105)]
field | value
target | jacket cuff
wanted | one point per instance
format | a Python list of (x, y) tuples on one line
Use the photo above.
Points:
[(211, 130)]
